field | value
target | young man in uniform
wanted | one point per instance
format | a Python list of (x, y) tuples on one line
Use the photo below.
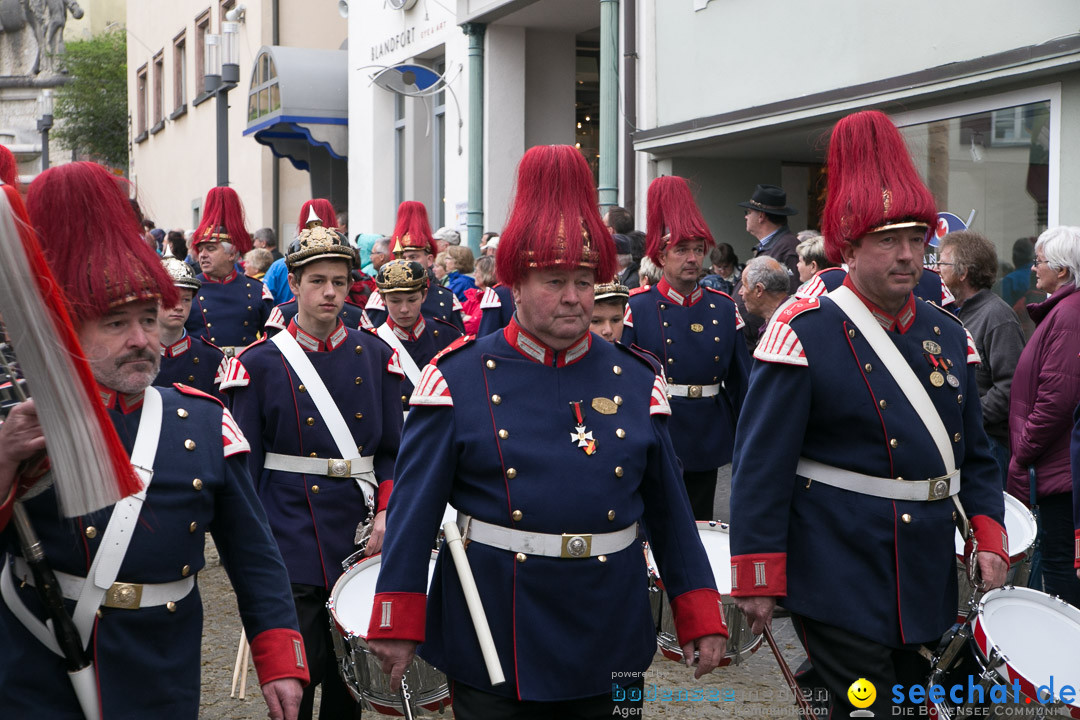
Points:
[(609, 310), (321, 406), (193, 361)]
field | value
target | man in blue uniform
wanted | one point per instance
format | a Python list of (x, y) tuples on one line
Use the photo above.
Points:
[(186, 359), (230, 309), (403, 286), (496, 309), (553, 470), (861, 441), (929, 287), (321, 406), (141, 617), (412, 241), (695, 332)]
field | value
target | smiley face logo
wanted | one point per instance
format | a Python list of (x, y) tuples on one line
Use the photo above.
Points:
[(862, 693)]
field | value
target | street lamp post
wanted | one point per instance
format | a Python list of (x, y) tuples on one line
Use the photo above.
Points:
[(222, 65), (44, 125)]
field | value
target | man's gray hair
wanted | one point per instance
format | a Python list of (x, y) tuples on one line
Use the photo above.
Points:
[(765, 270), (268, 235), (1061, 247), (381, 245)]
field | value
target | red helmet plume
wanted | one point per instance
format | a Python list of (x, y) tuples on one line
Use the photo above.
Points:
[(9, 169), (673, 217), (92, 241), (412, 229), (873, 184), (223, 209), (554, 222), (322, 208)]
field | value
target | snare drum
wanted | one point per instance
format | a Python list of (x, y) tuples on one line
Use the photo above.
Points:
[(741, 643), (1022, 529), (350, 606), (1017, 637)]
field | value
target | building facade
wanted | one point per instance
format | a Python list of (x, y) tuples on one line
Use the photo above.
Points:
[(173, 121)]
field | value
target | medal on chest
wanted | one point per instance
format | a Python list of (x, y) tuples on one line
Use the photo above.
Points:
[(581, 436)]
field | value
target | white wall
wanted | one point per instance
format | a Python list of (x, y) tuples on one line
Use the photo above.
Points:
[(504, 117)]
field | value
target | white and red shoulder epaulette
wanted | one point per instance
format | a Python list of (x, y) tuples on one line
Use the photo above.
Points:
[(375, 302), (393, 365), (276, 319), (231, 436), (780, 343), (812, 288), (234, 375), (658, 403), (432, 388), (973, 357), (365, 321), (628, 317), (457, 307), (490, 299)]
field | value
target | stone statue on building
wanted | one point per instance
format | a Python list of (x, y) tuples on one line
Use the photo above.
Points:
[(45, 20)]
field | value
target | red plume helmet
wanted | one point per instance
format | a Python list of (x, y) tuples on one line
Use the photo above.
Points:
[(554, 222), (873, 184), (412, 229), (673, 217), (223, 209), (9, 169), (322, 208), (92, 241)]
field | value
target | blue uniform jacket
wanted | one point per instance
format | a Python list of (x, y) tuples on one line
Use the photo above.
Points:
[(230, 313), (148, 659), (314, 518), (490, 431), (192, 361), (929, 288), (882, 569), (439, 303), (497, 307), (352, 315), (422, 342), (697, 339)]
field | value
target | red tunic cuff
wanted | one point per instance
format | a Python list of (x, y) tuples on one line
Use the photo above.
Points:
[(698, 613), (759, 575), (398, 616), (991, 537), (1076, 548), (385, 487), (278, 654)]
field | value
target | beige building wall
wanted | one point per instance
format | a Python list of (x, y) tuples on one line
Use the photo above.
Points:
[(175, 164), (97, 16)]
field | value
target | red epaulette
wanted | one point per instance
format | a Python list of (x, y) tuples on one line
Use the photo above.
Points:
[(456, 345), (195, 392), (797, 307)]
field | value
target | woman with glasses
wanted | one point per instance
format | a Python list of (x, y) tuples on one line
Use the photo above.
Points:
[(1045, 392)]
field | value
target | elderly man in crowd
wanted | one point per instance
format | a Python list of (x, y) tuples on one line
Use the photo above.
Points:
[(764, 287), (968, 266)]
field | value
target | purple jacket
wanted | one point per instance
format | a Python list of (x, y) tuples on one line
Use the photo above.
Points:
[(1045, 391)]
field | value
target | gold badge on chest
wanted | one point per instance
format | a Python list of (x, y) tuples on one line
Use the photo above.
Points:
[(697, 327), (604, 406)]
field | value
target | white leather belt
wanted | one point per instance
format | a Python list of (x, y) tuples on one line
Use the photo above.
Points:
[(693, 391), (940, 488), (330, 467), (567, 545), (126, 596)]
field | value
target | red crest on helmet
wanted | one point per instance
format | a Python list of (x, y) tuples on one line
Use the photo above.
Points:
[(223, 220), (673, 217), (412, 229)]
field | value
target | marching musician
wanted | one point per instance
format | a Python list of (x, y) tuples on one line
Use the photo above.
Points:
[(609, 309), (847, 516), (314, 213), (321, 406), (140, 613), (403, 286), (412, 241), (694, 330), (554, 471), (186, 359), (230, 308)]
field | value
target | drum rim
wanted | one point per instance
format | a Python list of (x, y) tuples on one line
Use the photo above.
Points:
[(343, 579)]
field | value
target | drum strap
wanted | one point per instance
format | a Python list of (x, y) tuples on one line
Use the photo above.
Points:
[(902, 374), (328, 409)]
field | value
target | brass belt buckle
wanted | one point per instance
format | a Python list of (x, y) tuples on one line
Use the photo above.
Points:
[(694, 391), (126, 596), (939, 488), (338, 468), (576, 546)]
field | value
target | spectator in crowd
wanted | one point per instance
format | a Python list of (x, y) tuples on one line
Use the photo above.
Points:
[(364, 242), (342, 223), (257, 262), (379, 254), (446, 237), (648, 275), (811, 252), (438, 268), (459, 264), (471, 311), (1045, 392), (176, 245), (725, 267), (764, 287), (266, 239), (619, 221), (628, 267), (968, 263), (489, 243)]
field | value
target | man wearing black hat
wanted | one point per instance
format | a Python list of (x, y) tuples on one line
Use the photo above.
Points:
[(766, 219)]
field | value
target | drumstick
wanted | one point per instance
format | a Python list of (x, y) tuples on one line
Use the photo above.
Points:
[(244, 670), (800, 701), (236, 665), (472, 599)]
